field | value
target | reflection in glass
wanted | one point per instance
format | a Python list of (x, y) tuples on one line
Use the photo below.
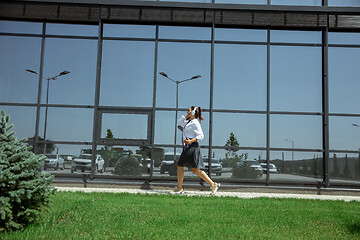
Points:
[(67, 124), (192, 33), (297, 2), (17, 55), (344, 81), (134, 31), (344, 168), (23, 118), (72, 29), (79, 58), (240, 77), (296, 79), (182, 61), (295, 36), (344, 38), (263, 2), (198, 1), (127, 74), (296, 166), (240, 165), (344, 133), (344, 3), (248, 129), (127, 161), (228, 34), (164, 127), (296, 131), (20, 27), (124, 126)]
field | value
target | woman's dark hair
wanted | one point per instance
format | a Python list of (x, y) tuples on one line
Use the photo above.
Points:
[(198, 112)]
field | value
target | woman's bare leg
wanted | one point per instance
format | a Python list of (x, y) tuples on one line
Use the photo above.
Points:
[(180, 176), (203, 175)]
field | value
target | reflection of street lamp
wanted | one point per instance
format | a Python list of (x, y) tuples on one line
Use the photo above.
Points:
[(292, 142), (355, 125), (47, 96), (177, 100)]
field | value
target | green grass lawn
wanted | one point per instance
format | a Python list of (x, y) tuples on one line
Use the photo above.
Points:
[(128, 216)]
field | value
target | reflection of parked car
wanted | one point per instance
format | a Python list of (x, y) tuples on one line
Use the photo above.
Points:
[(168, 161), (272, 168), (253, 164), (216, 166), (83, 162), (54, 161)]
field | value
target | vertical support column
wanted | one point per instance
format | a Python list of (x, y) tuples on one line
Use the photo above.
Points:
[(97, 94), (38, 109), (268, 108), (211, 91), (325, 101), (154, 101)]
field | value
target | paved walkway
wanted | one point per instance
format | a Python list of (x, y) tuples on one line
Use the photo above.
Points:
[(219, 194)]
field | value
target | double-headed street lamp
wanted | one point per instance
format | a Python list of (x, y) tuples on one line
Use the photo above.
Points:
[(292, 142), (177, 101), (47, 95)]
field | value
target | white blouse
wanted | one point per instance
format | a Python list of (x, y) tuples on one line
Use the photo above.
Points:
[(191, 129)]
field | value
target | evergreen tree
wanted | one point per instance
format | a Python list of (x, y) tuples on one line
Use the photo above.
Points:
[(23, 190), (232, 142)]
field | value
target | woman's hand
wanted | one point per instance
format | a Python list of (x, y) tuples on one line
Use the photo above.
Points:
[(188, 141)]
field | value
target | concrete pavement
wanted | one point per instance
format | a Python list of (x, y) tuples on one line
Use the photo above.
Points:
[(221, 193)]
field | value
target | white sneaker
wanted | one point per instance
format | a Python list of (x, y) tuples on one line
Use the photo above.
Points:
[(177, 191), (214, 188)]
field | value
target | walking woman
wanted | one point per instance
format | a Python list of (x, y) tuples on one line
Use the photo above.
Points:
[(191, 156)]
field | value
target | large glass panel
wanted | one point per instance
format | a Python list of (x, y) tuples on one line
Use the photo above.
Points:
[(240, 77), (20, 27), (124, 126), (17, 55), (198, 1), (165, 128), (23, 118), (344, 133), (249, 130), (127, 74), (238, 165), (344, 81), (296, 79), (295, 167), (124, 161), (133, 31), (297, 2), (79, 58), (296, 131), (295, 36), (228, 34), (263, 2), (193, 33), (71, 29), (344, 168), (182, 61), (344, 38), (344, 3), (67, 124)]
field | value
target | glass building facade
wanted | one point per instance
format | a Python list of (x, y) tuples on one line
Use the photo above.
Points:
[(278, 87)]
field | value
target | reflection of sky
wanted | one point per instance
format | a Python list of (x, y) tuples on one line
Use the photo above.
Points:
[(239, 83)]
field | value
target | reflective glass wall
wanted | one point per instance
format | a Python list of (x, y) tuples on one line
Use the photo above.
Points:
[(261, 91)]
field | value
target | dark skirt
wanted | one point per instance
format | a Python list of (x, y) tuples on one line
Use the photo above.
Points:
[(191, 156)]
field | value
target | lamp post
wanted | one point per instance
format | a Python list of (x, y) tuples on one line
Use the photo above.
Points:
[(292, 142), (177, 100), (47, 96)]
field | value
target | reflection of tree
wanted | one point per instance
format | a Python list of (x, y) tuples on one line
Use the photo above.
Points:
[(50, 147), (231, 157), (146, 153), (346, 167)]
